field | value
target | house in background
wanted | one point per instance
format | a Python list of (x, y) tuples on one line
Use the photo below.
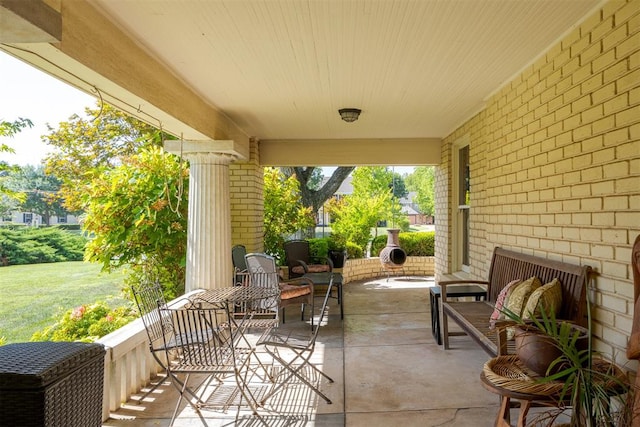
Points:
[(33, 219)]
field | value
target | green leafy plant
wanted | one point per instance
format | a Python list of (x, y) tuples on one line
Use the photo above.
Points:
[(283, 211), (319, 247), (137, 213), (86, 323), (590, 390)]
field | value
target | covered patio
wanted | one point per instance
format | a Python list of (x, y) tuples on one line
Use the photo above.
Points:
[(529, 110), (386, 365)]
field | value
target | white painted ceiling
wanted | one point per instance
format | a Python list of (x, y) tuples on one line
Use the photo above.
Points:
[(282, 69)]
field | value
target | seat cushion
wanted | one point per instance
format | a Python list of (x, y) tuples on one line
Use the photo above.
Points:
[(313, 268), (292, 291)]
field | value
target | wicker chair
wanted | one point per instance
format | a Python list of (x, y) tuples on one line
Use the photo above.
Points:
[(300, 262), (240, 274), (263, 272)]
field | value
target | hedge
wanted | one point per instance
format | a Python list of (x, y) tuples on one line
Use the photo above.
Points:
[(420, 243), (39, 245)]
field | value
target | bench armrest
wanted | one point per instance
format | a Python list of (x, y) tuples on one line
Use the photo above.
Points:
[(501, 332)]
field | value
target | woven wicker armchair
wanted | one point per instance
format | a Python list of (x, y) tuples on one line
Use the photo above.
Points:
[(300, 262)]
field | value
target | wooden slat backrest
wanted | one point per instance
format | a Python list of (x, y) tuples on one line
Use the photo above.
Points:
[(507, 266)]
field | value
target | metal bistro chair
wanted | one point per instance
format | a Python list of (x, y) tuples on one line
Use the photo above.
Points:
[(300, 262), (221, 356), (293, 351), (148, 298), (263, 272)]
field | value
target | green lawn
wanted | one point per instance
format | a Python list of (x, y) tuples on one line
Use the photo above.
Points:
[(32, 296)]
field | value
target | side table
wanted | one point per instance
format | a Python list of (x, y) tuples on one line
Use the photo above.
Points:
[(476, 291), (516, 384), (507, 377), (330, 279)]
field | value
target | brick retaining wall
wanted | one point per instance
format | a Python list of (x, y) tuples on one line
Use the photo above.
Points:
[(368, 268)]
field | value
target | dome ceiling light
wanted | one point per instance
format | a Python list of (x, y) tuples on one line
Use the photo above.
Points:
[(349, 115)]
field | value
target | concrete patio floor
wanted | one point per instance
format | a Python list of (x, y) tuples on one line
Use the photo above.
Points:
[(388, 370)]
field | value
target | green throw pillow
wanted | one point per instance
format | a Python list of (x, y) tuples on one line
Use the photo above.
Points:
[(547, 298), (518, 299)]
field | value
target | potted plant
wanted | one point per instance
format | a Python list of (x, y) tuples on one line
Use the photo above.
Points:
[(590, 383), (337, 252)]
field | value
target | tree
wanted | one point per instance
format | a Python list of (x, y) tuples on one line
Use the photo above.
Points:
[(312, 194), (398, 187), (422, 181), (379, 180), (137, 212), (86, 147), (354, 215), (283, 210), (10, 129), (40, 191)]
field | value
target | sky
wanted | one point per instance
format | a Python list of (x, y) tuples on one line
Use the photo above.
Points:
[(32, 94)]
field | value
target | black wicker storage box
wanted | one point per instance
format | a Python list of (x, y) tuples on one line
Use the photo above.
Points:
[(51, 384)]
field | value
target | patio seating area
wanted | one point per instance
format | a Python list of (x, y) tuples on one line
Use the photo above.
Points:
[(386, 365)]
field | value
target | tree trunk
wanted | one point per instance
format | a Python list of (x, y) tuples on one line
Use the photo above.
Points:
[(316, 198)]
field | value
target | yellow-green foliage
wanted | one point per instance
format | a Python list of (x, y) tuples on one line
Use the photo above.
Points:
[(283, 211), (138, 214), (86, 323)]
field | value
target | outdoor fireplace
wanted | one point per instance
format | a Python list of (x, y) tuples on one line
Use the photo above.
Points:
[(392, 256)]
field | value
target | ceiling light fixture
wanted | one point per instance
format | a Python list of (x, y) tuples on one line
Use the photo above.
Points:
[(349, 114)]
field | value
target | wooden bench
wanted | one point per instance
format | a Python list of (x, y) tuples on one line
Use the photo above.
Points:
[(473, 316)]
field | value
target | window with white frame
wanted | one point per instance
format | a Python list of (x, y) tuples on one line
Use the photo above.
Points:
[(462, 197)]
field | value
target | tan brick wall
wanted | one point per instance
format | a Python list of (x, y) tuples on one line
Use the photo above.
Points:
[(246, 180), (370, 268), (555, 164)]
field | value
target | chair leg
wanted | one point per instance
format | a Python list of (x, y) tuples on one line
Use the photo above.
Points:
[(295, 371), (182, 391)]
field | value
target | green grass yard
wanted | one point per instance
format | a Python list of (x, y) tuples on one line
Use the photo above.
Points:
[(34, 296)]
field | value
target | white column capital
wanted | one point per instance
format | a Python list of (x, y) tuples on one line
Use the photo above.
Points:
[(208, 158), (212, 152)]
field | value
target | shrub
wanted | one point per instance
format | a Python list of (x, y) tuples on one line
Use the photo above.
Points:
[(39, 245), (319, 247), (354, 251), (414, 244), (86, 323), (69, 227)]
